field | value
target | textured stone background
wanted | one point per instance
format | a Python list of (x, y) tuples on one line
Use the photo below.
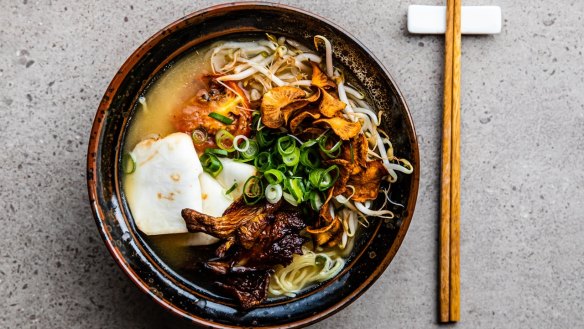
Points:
[(522, 150)]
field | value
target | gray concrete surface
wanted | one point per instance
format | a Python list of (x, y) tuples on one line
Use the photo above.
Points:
[(522, 150)]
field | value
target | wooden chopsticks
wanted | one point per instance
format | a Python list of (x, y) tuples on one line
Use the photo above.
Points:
[(450, 183)]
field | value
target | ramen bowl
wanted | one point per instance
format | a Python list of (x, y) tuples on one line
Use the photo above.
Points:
[(376, 246)]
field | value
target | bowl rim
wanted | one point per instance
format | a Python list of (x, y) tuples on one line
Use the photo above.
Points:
[(94, 144)]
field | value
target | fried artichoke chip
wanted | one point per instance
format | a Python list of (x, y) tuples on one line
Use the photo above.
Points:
[(329, 105), (290, 110), (346, 168), (356, 153), (331, 236), (343, 128), (367, 182), (328, 228), (314, 96), (300, 117), (360, 147), (279, 100), (324, 213), (320, 79), (311, 132)]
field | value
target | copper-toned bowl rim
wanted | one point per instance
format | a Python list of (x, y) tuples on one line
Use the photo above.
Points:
[(96, 137)]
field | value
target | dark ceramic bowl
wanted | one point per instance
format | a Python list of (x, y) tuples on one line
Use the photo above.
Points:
[(374, 249)]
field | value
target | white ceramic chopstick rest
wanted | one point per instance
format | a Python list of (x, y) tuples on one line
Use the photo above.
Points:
[(474, 20)]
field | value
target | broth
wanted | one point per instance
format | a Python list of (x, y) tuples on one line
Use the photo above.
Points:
[(154, 118)]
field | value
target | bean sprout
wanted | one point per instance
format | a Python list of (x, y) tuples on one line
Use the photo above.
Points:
[(329, 53)]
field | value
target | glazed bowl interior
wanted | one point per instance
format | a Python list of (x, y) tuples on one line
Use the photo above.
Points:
[(175, 290)]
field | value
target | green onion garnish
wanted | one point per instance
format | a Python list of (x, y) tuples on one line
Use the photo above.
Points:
[(309, 143), (286, 145), (245, 143), (128, 163), (253, 190), (320, 260), (292, 159), (309, 157), (231, 189), (251, 151), (315, 200), (211, 164), (217, 151), (273, 193), (274, 176), (199, 136), (224, 140), (263, 161), (296, 188), (332, 152), (264, 139), (221, 118), (322, 178), (290, 199)]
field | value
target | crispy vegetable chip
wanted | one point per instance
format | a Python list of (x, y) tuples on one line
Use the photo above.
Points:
[(356, 152), (314, 96), (345, 171), (367, 182), (311, 132), (299, 118), (328, 229), (320, 79), (290, 110), (331, 236), (329, 106), (276, 101), (343, 128)]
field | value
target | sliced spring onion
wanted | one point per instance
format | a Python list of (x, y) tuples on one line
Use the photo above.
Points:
[(315, 200), (332, 152), (211, 164), (286, 145), (245, 143), (282, 168), (224, 140), (128, 163), (263, 161), (263, 137), (221, 118), (292, 159), (274, 176), (322, 178), (309, 157), (321, 260), (216, 152), (231, 189), (199, 136), (273, 193), (253, 190), (252, 149), (256, 117), (290, 199), (309, 143), (296, 188)]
